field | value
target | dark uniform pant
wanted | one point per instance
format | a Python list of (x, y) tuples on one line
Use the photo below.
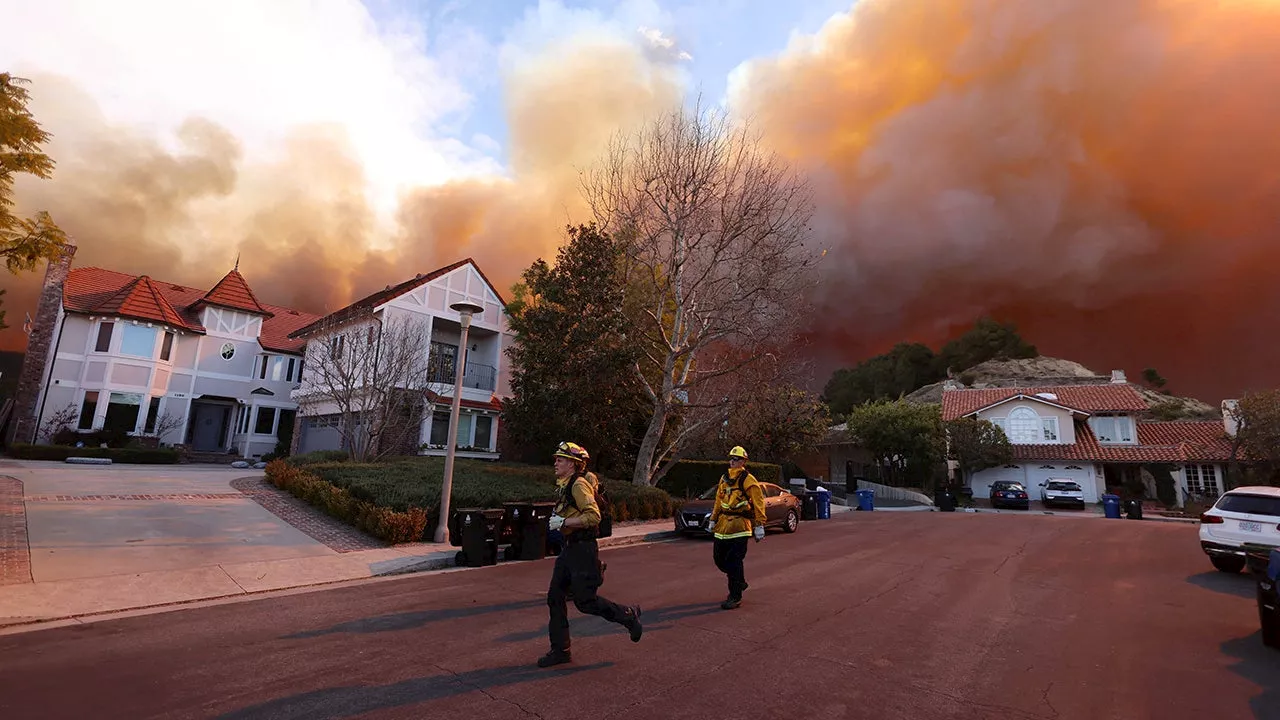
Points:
[(729, 555), (577, 570)]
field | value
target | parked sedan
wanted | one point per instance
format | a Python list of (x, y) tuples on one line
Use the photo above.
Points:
[(781, 510), (1243, 516), (1007, 493), (1061, 492)]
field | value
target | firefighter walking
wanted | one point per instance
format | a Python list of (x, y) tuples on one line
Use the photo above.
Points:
[(577, 569), (737, 516)]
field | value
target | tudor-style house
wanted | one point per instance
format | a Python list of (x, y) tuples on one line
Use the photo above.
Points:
[(1095, 436), (423, 301), (208, 369)]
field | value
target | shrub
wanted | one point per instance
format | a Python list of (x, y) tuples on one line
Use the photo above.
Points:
[(318, 456), (381, 522), (142, 456), (689, 478)]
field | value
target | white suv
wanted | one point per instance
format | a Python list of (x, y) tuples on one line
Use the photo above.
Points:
[(1244, 515)]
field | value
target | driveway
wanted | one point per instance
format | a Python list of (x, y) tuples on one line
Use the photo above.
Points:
[(85, 521), (895, 616)]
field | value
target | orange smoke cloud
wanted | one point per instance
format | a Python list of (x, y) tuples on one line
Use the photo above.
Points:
[(1105, 174), (302, 222)]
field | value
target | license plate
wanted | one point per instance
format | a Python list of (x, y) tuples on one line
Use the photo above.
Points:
[(1250, 526)]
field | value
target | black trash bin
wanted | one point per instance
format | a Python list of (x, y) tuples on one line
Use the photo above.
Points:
[(1133, 509), (946, 501), (479, 529), (514, 516), (529, 530), (809, 506)]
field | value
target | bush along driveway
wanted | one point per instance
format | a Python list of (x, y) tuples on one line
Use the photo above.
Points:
[(398, 500)]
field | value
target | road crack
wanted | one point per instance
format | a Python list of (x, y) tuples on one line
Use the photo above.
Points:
[(1045, 696), (458, 679)]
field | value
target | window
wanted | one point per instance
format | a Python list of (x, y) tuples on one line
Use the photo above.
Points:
[(138, 341), (266, 421), (87, 409), (441, 362), (484, 432), (1112, 429), (1050, 425), (166, 346), (335, 346), (464, 429), (439, 428), (1250, 504), (277, 368), (228, 350), (289, 376), (1202, 480), (104, 337), (1024, 426), (122, 411), (262, 366), (152, 411)]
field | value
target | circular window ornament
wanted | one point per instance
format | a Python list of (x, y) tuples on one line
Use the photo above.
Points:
[(228, 351)]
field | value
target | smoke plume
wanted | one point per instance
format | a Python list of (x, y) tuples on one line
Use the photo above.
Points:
[(1104, 174)]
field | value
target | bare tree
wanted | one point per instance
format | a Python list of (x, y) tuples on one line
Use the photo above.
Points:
[(165, 423), (374, 376), (59, 421), (716, 263)]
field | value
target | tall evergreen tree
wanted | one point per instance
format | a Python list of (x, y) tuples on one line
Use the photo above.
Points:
[(572, 367)]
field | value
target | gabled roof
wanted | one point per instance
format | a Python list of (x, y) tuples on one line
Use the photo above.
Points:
[(233, 292), (1115, 397), (141, 300), (97, 291), (366, 305)]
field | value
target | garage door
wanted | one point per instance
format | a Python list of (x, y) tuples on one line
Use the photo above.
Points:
[(1082, 474), (320, 433), (981, 482)]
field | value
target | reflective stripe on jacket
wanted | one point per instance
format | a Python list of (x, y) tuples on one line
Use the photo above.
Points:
[(738, 506)]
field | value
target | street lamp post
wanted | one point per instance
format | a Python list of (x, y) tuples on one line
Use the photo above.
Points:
[(465, 310)]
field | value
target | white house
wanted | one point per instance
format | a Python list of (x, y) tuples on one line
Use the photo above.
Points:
[(211, 368), (1091, 434), (424, 299)]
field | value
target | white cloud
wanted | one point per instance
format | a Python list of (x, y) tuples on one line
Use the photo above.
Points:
[(259, 68), (661, 43)]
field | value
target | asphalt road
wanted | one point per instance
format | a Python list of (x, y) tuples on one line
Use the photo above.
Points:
[(876, 615)]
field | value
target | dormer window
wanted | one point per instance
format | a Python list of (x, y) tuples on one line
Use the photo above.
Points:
[(1112, 428), (1024, 426)]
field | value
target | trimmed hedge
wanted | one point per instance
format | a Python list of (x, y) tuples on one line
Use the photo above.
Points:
[(413, 484), (384, 523), (317, 456), (689, 478), (143, 456)]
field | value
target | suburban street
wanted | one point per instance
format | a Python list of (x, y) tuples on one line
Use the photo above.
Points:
[(890, 615)]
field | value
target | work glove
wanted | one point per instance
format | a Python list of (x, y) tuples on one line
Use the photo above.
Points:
[(555, 522), (711, 524), (758, 531)]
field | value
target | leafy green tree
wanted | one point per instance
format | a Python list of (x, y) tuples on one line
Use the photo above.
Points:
[(1153, 378), (904, 438), (23, 242), (572, 366), (900, 371), (1257, 439), (976, 445)]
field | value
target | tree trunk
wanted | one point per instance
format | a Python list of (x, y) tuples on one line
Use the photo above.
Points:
[(649, 447)]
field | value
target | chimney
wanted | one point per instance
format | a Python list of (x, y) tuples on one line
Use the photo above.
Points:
[(950, 384), (1229, 422), (1117, 377), (39, 350)]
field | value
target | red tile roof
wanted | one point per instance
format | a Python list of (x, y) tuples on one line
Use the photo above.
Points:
[(141, 300), (1085, 398), (366, 304), (92, 290), (493, 404), (233, 292), (1158, 442)]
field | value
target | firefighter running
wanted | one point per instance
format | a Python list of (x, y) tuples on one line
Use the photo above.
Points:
[(738, 514), (577, 568)]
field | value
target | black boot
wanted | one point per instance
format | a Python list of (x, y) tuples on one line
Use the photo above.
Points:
[(632, 623), (731, 602), (554, 657)]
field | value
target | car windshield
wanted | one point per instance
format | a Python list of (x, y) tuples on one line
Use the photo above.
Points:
[(709, 493), (1063, 486), (1250, 504)]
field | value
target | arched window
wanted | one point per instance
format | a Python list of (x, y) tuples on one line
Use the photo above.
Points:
[(1024, 426)]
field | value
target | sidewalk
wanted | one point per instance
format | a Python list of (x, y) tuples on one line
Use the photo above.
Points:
[(40, 602)]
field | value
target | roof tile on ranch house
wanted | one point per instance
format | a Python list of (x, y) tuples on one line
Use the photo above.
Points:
[(1085, 398)]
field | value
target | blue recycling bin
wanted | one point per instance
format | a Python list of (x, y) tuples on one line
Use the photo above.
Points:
[(1111, 506), (823, 500), (866, 499)]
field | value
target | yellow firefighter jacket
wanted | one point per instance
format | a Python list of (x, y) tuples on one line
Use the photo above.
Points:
[(739, 506), (583, 503)]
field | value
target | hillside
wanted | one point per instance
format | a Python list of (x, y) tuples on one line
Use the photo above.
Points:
[(1043, 370)]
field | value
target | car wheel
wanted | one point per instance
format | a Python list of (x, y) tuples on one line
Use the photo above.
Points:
[(1230, 564), (793, 521)]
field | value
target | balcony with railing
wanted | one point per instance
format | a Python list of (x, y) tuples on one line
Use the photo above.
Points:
[(475, 376)]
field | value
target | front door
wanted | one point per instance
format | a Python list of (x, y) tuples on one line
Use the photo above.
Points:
[(209, 422)]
